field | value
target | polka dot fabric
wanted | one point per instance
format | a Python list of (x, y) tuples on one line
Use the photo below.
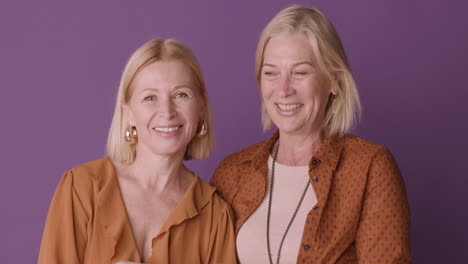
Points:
[(362, 214)]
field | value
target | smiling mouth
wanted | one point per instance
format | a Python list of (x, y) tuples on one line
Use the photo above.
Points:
[(167, 129), (288, 107)]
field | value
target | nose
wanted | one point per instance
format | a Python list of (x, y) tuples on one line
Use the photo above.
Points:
[(284, 86), (166, 109)]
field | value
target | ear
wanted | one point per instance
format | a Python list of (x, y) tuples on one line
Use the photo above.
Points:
[(334, 87), (334, 84)]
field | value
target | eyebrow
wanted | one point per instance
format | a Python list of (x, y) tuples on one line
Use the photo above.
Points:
[(181, 86), (294, 65), (147, 89)]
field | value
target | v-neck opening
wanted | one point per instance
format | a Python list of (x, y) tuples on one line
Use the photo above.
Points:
[(127, 218)]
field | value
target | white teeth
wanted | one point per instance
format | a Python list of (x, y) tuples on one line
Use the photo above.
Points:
[(166, 129), (288, 107)]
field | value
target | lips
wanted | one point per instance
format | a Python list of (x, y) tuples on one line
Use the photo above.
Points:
[(167, 129), (170, 131), (288, 107)]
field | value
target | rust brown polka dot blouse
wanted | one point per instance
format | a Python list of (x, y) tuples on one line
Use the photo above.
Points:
[(362, 214)]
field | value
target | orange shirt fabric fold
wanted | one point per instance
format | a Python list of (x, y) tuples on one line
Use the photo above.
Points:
[(88, 223)]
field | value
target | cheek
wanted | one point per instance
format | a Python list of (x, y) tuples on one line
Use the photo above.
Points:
[(136, 114), (192, 112), (266, 90), (315, 89), (319, 99), (144, 113)]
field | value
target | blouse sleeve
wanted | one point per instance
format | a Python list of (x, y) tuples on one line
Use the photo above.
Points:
[(383, 233), (64, 236), (225, 180), (223, 240)]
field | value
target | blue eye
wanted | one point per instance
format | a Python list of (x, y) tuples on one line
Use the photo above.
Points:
[(150, 98), (181, 95)]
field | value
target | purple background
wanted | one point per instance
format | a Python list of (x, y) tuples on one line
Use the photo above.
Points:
[(60, 63)]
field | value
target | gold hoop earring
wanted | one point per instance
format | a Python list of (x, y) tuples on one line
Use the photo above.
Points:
[(131, 135), (203, 130)]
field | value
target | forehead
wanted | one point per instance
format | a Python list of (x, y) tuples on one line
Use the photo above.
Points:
[(288, 47), (164, 73)]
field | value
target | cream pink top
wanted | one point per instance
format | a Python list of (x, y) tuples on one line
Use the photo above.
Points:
[(289, 185)]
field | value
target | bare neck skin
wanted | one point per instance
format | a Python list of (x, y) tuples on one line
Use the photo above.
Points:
[(157, 173), (297, 150)]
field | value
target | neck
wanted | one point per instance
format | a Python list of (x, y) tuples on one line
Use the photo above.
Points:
[(297, 150), (159, 173)]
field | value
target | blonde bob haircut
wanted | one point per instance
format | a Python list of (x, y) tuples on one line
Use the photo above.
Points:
[(152, 51), (330, 57)]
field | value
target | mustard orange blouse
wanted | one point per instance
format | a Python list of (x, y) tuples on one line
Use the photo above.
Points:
[(88, 223)]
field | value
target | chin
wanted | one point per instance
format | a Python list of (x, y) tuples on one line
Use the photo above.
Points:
[(168, 149), (160, 152), (286, 128)]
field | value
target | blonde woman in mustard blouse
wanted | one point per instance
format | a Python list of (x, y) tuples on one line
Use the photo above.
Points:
[(141, 204)]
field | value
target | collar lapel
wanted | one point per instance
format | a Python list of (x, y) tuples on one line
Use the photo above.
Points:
[(113, 215), (328, 156), (195, 198)]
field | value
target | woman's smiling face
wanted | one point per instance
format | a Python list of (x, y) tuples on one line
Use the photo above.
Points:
[(165, 107), (294, 90)]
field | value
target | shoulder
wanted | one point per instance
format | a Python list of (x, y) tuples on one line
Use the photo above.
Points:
[(355, 143), (94, 172), (243, 155), (377, 160), (82, 183), (362, 148), (231, 167), (220, 204), (95, 169), (221, 211), (207, 198)]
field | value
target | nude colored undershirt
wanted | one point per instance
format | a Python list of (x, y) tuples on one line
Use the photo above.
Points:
[(288, 187)]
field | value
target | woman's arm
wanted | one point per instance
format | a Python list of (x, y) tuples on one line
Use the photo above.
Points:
[(223, 239), (384, 231), (225, 180)]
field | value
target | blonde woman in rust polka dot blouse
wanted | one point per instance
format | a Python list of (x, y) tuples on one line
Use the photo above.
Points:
[(312, 193)]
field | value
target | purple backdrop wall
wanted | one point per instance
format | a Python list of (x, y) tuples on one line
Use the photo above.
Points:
[(61, 62)]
